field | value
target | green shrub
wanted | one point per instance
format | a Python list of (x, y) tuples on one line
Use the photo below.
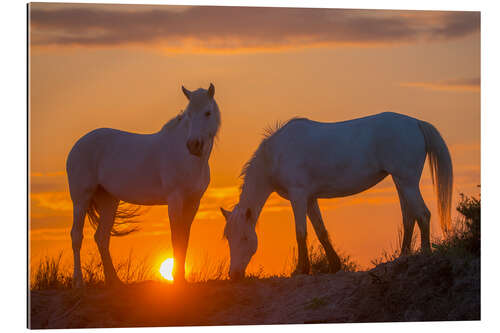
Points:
[(465, 235)]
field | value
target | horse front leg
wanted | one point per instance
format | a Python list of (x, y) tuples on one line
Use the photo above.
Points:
[(181, 212), (299, 206), (319, 227), (106, 205)]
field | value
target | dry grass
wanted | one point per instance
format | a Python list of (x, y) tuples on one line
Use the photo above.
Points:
[(394, 251), (51, 273), (319, 262), (207, 269), (464, 238)]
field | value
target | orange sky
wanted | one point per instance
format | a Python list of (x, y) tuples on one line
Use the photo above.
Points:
[(122, 66)]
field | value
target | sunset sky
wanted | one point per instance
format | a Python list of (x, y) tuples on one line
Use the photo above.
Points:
[(122, 66)]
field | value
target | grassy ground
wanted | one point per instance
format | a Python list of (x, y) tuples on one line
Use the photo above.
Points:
[(442, 285), (51, 273)]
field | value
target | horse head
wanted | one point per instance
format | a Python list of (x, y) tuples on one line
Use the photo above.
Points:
[(204, 119), (242, 238)]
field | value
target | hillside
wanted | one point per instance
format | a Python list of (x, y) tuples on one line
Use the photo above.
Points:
[(414, 288), (440, 286)]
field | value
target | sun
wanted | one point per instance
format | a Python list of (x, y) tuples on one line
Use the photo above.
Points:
[(166, 269)]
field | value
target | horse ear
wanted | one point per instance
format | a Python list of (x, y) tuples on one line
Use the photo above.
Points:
[(248, 214), (226, 213), (211, 91), (187, 93)]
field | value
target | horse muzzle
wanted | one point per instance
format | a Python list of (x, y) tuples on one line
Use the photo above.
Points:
[(195, 147)]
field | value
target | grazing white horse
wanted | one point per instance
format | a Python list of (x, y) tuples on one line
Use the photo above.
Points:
[(304, 160), (169, 167)]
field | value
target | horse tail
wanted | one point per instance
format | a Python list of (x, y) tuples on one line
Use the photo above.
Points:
[(124, 216), (441, 170)]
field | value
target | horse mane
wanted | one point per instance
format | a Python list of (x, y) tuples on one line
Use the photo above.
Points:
[(172, 123), (259, 154), (269, 132)]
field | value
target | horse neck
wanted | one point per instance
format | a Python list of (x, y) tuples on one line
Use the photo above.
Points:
[(255, 190), (174, 127)]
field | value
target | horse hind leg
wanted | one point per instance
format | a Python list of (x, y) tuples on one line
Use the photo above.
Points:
[(314, 214), (106, 206), (80, 206), (416, 209), (408, 223), (408, 226), (423, 220)]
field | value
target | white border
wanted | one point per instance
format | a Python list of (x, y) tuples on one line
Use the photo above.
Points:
[(13, 160)]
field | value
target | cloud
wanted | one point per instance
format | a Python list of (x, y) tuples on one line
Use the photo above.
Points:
[(462, 84), (48, 182), (37, 175), (227, 29), (55, 201)]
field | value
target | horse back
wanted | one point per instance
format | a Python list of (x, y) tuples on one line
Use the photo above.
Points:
[(345, 157), (137, 168), (378, 134)]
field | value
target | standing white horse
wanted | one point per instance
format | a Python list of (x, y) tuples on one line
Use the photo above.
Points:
[(169, 167), (304, 160)]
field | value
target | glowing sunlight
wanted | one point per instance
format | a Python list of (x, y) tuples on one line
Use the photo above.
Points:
[(166, 269)]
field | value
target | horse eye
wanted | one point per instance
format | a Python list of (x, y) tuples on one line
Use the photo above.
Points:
[(207, 113)]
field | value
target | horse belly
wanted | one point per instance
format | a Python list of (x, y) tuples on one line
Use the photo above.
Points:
[(345, 186), (338, 170), (135, 181), (137, 190)]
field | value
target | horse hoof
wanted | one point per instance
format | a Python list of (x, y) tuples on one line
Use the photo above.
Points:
[(334, 269), (405, 253), (298, 271), (115, 284), (426, 251), (180, 281), (78, 285)]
